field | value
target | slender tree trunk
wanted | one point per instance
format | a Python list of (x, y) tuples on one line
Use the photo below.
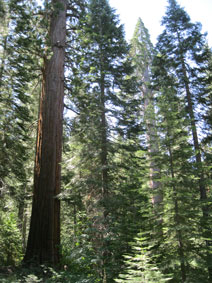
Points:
[(2, 65), (22, 207), (44, 235), (177, 222), (102, 225), (203, 194), (104, 165), (151, 133), (104, 144), (202, 187)]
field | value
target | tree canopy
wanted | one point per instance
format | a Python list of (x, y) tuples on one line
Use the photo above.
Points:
[(105, 146)]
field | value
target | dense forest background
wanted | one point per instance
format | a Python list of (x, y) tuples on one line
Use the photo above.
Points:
[(105, 146)]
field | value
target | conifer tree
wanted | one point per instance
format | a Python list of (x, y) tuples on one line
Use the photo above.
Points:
[(18, 109), (142, 52), (172, 256), (182, 41), (205, 101), (176, 153), (44, 235), (183, 45), (140, 267), (102, 98)]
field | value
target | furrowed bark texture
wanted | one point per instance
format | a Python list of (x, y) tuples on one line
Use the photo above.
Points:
[(44, 235)]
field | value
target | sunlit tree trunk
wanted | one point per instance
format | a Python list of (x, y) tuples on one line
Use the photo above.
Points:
[(44, 235), (151, 133), (142, 53)]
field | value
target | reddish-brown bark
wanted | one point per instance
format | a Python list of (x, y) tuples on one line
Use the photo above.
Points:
[(44, 235)]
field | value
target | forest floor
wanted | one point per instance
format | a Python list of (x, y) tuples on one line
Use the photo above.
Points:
[(22, 274), (11, 274)]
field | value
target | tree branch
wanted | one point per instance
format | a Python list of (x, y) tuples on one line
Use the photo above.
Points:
[(69, 108)]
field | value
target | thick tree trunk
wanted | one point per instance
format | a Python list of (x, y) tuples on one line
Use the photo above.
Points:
[(44, 235)]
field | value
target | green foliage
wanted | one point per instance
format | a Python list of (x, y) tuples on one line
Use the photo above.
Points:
[(43, 274), (140, 267), (142, 50), (182, 225), (110, 110), (183, 47), (102, 96), (19, 88), (10, 240), (181, 239)]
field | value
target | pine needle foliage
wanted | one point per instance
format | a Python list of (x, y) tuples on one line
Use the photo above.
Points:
[(140, 267)]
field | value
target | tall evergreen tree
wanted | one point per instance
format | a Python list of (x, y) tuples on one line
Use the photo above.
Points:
[(176, 155), (44, 235), (183, 44), (205, 101), (102, 97), (172, 256), (142, 52), (18, 108)]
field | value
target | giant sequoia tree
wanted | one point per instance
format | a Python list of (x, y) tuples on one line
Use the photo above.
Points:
[(138, 114), (44, 235)]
